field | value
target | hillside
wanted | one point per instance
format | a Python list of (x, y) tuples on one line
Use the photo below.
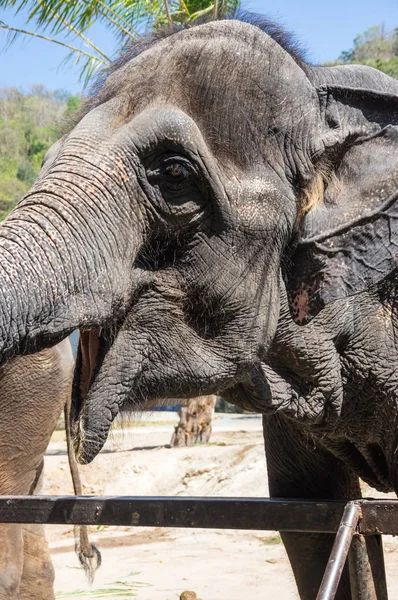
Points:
[(29, 124)]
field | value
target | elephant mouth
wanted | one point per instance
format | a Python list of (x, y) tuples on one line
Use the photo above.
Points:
[(89, 350), (129, 364), (92, 350)]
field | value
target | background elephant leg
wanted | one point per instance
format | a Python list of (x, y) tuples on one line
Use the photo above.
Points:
[(33, 391), (11, 561), (297, 468), (38, 572)]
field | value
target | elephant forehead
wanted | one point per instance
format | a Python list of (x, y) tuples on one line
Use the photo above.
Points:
[(228, 73), (230, 77)]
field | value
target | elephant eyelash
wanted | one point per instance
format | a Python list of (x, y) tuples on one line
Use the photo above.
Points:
[(176, 173), (162, 168)]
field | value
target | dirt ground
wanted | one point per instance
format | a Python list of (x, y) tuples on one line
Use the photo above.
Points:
[(159, 564)]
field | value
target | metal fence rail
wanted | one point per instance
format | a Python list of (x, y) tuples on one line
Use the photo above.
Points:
[(206, 513), (353, 522)]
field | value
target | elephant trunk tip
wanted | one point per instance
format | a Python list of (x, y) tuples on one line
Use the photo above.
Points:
[(86, 448)]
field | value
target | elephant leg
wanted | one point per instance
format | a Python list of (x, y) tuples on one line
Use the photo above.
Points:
[(33, 391), (11, 561), (38, 572), (297, 468), (366, 567)]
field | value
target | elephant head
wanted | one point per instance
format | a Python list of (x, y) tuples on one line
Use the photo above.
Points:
[(160, 224)]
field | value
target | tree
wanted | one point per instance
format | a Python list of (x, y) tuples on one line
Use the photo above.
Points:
[(126, 19), (27, 129), (376, 47), (195, 424)]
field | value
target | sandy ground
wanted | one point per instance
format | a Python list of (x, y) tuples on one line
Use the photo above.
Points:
[(159, 564)]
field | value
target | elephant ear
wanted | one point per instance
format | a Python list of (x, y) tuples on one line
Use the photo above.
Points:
[(348, 242)]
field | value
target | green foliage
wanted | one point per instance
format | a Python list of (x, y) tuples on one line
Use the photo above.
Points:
[(390, 67), (376, 43), (376, 47), (27, 129), (73, 104), (184, 12)]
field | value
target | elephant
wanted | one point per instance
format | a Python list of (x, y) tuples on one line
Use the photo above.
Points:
[(195, 424), (33, 391), (220, 219)]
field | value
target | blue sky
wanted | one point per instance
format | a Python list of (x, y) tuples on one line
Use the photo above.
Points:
[(324, 27)]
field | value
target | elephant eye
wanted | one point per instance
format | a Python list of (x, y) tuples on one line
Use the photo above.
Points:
[(176, 172), (177, 186), (174, 176)]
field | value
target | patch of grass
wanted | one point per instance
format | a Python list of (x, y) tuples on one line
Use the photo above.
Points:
[(271, 539), (119, 589), (102, 593)]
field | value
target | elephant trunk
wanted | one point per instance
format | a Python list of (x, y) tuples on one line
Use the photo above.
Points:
[(54, 275)]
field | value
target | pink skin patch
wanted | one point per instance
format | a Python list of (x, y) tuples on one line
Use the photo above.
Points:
[(300, 303)]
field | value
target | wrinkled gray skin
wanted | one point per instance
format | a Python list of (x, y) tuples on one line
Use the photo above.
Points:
[(168, 226), (33, 391)]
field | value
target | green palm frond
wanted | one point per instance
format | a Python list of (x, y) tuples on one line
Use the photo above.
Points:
[(118, 21), (62, 24), (88, 66), (203, 12), (126, 19), (14, 32)]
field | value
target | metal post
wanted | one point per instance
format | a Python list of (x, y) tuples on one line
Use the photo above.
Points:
[(341, 546)]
